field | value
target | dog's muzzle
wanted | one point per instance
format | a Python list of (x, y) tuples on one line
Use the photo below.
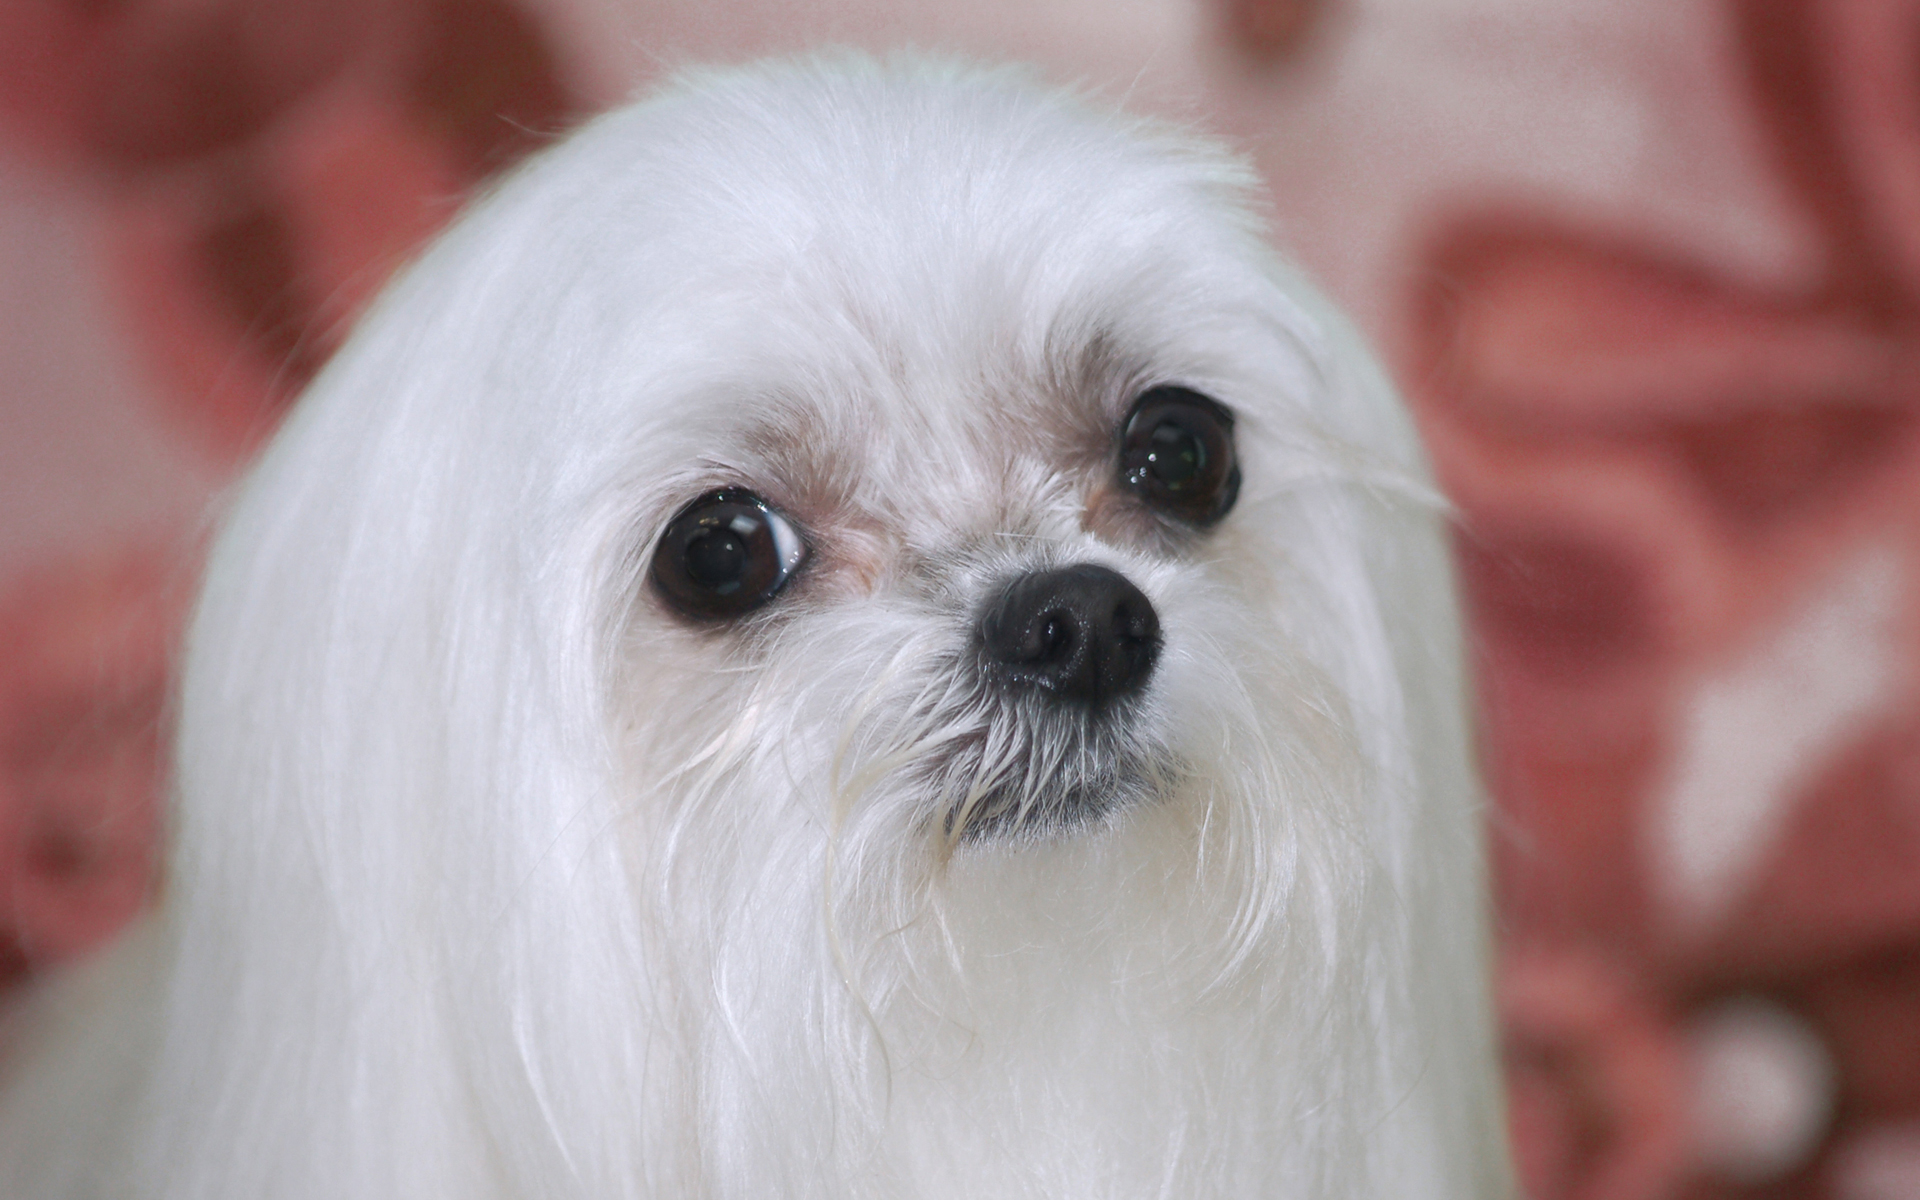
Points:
[(1077, 635)]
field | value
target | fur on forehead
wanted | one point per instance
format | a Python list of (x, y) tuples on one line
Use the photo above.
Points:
[(842, 269)]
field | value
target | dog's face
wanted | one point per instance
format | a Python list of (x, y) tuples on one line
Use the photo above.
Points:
[(987, 601), (877, 634), (973, 530), (1024, 703)]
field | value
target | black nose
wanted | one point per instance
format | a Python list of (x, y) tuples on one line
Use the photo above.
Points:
[(1080, 632)]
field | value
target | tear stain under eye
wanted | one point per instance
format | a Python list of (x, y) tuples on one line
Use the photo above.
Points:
[(848, 559), (1114, 516), (1117, 517)]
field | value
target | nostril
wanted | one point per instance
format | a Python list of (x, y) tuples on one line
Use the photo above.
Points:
[(1058, 639), (1082, 632)]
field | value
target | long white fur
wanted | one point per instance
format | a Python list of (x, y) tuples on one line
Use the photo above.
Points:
[(492, 878)]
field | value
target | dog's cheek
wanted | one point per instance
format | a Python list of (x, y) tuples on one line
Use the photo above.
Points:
[(672, 694)]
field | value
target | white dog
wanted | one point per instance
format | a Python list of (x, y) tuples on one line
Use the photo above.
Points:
[(848, 633)]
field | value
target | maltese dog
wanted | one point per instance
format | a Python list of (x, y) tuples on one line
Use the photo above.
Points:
[(848, 632)]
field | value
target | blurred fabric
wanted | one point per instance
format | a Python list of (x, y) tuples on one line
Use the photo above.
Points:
[(1649, 271)]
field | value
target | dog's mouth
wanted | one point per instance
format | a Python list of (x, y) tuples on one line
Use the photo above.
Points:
[(1048, 778), (1022, 810)]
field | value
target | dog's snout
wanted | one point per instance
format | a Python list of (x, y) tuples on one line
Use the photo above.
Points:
[(1082, 633)]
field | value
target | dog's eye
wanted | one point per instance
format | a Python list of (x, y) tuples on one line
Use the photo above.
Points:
[(725, 554), (1176, 453)]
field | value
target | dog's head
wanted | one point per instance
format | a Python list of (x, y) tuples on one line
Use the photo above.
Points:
[(839, 566)]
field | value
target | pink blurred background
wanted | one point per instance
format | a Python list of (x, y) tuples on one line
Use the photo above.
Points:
[(1649, 271)]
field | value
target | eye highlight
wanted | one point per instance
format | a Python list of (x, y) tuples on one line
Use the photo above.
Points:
[(726, 554), (1176, 454)]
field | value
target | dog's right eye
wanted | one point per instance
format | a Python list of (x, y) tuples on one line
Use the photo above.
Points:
[(726, 554), (1176, 453)]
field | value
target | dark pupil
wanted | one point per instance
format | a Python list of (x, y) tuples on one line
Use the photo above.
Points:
[(1174, 454), (717, 560)]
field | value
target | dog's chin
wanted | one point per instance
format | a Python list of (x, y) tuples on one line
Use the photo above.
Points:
[(1071, 773), (1020, 810)]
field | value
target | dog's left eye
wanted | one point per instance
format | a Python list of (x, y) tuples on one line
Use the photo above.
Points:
[(726, 554), (1176, 453)]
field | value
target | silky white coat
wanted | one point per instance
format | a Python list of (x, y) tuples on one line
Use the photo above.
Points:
[(492, 877)]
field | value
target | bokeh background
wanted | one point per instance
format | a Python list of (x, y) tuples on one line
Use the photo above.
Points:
[(1648, 270)]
